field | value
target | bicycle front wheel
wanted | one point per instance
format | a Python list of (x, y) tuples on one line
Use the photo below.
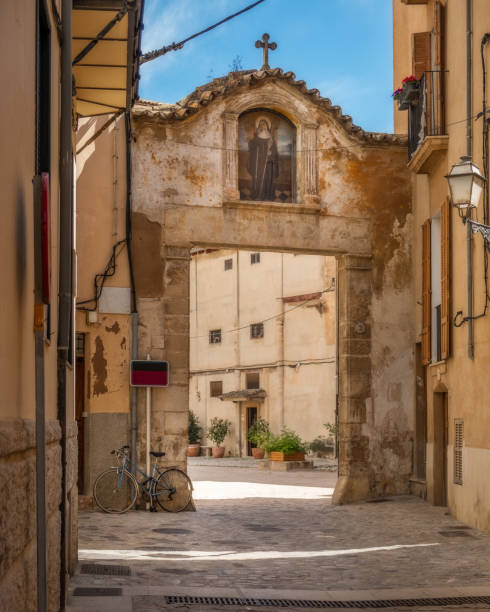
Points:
[(115, 491), (173, 490)]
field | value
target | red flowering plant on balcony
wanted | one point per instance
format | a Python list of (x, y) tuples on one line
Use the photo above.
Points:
[(398, 92), (406, 94)]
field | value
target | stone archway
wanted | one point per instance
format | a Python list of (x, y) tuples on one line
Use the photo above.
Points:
[(354, 203)]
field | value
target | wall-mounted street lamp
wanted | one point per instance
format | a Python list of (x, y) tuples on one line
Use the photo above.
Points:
[(466, 184)]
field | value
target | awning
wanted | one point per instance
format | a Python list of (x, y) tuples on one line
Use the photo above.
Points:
[(244, 395), (105, 49)]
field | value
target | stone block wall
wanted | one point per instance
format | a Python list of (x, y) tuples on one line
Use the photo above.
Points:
[(18, 564)]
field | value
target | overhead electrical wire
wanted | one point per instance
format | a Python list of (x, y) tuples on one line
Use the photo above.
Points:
[(151, 55), (277, 316)]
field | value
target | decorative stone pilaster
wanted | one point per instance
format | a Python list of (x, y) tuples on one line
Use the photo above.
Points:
[(354, 290), (309, 163), (230, 157)]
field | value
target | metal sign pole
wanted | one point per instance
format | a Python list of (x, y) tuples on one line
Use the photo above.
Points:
[(148, 416)]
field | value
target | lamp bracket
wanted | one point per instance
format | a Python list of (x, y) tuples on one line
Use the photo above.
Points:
[(480, 227)]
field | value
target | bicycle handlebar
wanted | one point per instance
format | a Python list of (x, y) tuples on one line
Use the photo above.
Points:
[(122, 450)]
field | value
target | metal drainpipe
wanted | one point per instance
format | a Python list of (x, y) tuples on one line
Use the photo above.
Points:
[(134, 311), (65, 263), (40, 402), (134, 391), (469, 151)]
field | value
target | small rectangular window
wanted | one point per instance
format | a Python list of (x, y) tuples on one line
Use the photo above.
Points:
[(257, 330), (215, 388), (215, 336), (228, 264), (80, 345), (253, 380), (458, 450), (255, 258)]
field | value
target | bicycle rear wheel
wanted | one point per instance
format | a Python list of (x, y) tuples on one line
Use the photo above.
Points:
[(115, 493), (173, 490)]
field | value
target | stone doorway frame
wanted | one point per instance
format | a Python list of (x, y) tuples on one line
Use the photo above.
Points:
[(354, 287)]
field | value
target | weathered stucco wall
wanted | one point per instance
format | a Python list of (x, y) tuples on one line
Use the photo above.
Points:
[(354, 203), (104, 362)]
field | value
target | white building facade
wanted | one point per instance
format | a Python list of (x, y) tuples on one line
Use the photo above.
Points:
[(262, 342)]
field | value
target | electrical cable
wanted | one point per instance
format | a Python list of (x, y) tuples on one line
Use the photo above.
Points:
[(100, 278), (151, 55), (277, 316)]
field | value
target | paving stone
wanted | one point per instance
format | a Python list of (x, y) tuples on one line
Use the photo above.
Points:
[(362, 547)]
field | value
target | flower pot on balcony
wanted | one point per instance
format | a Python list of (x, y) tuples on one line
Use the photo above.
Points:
[(409, 95), (218, 452)]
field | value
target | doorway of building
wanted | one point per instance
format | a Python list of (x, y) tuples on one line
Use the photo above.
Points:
[(251, 418), (440, 448)]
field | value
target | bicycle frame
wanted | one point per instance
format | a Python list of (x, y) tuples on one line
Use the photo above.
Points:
[(146, 478)]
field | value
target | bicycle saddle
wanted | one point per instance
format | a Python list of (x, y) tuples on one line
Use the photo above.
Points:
[(157, 454)]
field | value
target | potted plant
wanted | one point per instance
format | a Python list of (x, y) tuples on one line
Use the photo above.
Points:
[(258, 434), (287, 446), (322, 447), (408, 93), (194, 433), (217, 432)]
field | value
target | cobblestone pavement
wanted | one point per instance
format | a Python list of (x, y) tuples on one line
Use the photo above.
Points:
[(275, 535)]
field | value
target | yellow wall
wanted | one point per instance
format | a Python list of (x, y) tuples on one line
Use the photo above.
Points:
[(464, 378), (101, 223), (17, 168)]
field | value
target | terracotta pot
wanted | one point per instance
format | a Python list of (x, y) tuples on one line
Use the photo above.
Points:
[(193, 450), (258, 453), (278, 456), (218, 452)]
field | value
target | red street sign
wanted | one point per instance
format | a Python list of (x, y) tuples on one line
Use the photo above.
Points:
[(149, 373)]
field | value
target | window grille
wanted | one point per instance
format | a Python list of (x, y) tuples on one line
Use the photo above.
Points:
[(215, 388), (228, 264), (458, 450), (257, 330), (80, 345), (255, 258), (215, 336), (253, 380)]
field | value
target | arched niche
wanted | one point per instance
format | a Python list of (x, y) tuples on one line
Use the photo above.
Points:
[(305, 190), (266, 156)]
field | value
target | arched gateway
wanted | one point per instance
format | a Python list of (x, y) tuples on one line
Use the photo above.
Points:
[(345, 192)]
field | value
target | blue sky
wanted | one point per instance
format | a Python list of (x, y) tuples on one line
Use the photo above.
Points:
[(341, 47)]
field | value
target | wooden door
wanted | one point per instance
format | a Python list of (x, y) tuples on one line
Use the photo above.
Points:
[(251, 418), (440, 448)]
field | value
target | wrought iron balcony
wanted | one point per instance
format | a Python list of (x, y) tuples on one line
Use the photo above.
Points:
[(426, 111)]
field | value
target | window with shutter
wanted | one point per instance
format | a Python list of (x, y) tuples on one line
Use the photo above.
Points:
[(445, 278), (421, 56), (458, 450), (426, 294)]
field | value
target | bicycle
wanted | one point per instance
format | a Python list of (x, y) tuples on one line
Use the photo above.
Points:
[(116, 489)]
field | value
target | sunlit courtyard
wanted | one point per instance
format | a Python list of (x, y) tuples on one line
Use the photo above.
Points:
[(259, 533)]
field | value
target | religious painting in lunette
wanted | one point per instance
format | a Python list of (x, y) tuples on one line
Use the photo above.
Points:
[(266, 157)]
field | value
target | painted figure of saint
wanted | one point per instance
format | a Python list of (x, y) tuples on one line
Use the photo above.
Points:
[(263, 163)]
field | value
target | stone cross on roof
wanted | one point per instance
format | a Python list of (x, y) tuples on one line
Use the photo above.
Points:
[(266, 45)]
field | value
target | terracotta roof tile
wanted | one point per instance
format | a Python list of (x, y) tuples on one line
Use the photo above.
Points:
[(221, 86)]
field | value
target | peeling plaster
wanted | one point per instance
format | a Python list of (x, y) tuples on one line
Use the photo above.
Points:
[(99, 365)]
